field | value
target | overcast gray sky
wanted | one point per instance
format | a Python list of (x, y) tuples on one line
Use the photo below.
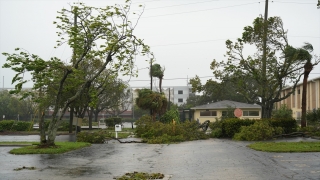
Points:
[(185, 35)]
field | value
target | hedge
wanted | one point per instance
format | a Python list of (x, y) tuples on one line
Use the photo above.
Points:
[(233, 125), (12, 125)]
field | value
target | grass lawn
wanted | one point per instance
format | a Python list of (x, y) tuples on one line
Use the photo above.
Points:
[(286, 146), (61, 147)]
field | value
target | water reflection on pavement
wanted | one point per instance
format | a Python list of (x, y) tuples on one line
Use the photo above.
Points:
[(204, 159)]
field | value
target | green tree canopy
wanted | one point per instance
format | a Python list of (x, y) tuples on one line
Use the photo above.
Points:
[(103, 34), (246, 70), (155, 101)]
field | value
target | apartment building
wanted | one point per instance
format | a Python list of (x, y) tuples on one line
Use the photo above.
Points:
[(176, 94), (294, 100)]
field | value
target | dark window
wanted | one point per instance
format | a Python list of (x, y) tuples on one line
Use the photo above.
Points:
[(180, 100), (208, 113), (298, 91), (227, 114), (250, 113), (180, 92)]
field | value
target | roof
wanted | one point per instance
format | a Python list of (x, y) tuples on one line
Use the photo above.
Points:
[(226, 104), (301, 82)]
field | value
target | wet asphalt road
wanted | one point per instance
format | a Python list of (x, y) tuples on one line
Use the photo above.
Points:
[(203, 160)]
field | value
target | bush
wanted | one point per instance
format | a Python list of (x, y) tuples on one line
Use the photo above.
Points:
[(158, 132), (6, 125), (288, 125), (216, 133), (92, 137), (313, 116), (11, 125), (231, 126), (216, 128), (22, 126), (282, 113), (260, 130), (111, 122), (170, 115)]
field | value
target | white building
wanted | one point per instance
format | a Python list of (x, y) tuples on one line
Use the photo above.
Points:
[(176, 94)]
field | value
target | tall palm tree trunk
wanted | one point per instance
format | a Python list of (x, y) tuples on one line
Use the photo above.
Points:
[(307, 69)]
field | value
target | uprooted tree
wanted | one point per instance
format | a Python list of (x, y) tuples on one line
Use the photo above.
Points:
[(245, 72), (94, 34)]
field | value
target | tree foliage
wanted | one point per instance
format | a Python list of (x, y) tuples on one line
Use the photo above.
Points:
[(213, 91), (158, 72), (101, 35), (155, 101), (284, 65)]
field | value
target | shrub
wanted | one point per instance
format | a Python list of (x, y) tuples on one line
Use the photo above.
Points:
[(170, 115), (92, 137), (288, 125), (11, 125), (313, 116), (231, 126), (216, 128), (6, 125), (216, 133), (260, 130), (111, 122), (282, 113), (158, 132), (22, 126)]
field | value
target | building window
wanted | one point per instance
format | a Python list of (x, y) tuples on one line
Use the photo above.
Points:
[(208, 113), (180, 100), (298, 91), (250, 113), (227, 114), (180, 92)]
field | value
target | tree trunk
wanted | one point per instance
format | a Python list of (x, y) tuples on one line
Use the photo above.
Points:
[(90, 119), (96, 114), (266, 110), (307, 69), (160, 84), (43, 139), (52, 131), (71, 119)]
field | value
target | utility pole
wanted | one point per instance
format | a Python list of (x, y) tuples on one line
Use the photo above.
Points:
[(264, 59), (151, 81)]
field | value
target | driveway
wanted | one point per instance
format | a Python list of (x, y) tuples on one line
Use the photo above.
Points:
[(204, 159)]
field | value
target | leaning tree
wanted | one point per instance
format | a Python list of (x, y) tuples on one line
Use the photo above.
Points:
[(95, 34), (246, 71)]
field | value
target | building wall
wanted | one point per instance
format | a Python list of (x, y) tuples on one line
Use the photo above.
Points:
[(219, 115), (181, 94), (294, 101)]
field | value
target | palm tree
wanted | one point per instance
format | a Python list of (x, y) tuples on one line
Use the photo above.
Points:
[(158, 71), (302, 54), (305, 53)]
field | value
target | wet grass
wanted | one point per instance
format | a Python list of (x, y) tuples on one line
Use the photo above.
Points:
[(61, 147), (286, 146), (16, 143)]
